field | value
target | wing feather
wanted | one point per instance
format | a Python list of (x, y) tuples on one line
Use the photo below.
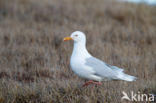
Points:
[(102, 69)]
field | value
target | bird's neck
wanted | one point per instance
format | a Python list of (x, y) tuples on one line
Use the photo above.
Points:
[(80, 49)]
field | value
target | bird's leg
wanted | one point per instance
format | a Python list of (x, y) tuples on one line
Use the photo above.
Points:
[(91, 82), (97, 83), (87, 83)]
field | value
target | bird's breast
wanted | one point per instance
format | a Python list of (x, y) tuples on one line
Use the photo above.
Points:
[(77, 64), (76, 61)]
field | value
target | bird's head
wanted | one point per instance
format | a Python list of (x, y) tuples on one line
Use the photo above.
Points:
[(76, 36)]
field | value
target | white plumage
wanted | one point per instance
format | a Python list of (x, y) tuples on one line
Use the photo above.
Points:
[(89, 67)]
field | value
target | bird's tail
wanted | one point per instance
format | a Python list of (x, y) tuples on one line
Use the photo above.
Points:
[(122, 76), (126, 77)]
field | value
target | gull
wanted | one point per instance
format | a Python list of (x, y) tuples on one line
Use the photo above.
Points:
[(86, 66)]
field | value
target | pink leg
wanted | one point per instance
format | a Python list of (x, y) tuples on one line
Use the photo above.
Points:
[(91, 82), (87, 83)]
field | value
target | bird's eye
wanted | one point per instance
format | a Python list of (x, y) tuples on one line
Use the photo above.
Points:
[(76, 35)]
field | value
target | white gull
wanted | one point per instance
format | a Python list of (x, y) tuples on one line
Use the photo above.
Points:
[(91, 68)]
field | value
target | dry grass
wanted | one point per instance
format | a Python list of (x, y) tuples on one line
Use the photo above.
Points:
[(34, 61)]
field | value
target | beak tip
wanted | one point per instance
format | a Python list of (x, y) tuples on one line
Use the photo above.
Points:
[(64, 40), (67, 38)]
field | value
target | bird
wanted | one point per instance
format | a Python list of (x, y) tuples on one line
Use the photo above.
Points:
[(91, 68)]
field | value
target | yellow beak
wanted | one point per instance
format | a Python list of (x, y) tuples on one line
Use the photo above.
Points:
[(67, 38)]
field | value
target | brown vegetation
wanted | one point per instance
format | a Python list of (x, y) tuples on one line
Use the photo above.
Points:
[(34, 61)]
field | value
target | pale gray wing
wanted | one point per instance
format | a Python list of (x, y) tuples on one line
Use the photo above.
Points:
[(102, 69)]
